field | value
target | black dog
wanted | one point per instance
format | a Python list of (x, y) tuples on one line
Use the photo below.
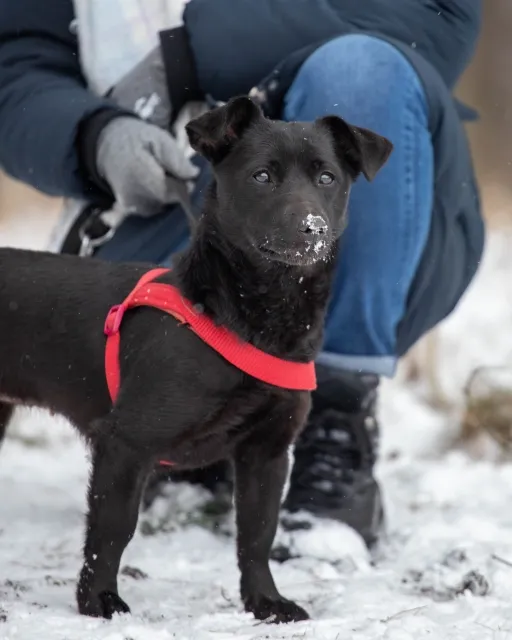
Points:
[(260, 264)]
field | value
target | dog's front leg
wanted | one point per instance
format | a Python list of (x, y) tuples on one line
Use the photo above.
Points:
[(260, 481), (116, 484), (6, 411)]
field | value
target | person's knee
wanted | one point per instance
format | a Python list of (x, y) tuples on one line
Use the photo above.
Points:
[(353, 70), (363, 60)]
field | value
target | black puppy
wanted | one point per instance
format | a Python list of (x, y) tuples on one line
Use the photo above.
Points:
[(260, 264)]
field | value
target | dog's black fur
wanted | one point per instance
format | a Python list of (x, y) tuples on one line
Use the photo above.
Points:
[(260, 263)]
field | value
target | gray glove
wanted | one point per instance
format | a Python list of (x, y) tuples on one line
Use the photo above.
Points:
[(141, 162), (144, 90)]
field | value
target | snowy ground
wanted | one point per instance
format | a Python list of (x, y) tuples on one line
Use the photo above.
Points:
[(442, 574)]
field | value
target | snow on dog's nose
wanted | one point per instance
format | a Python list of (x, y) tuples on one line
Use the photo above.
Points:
[(313, 225)]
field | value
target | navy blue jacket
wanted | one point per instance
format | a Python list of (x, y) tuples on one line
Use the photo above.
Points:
[(45, 108), (235, 43)]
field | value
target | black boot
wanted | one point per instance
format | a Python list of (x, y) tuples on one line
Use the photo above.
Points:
[(332, 476)]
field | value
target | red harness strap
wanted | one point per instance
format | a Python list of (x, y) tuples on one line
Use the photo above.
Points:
[(256, 363)]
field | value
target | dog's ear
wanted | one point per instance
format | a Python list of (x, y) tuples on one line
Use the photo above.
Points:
[(215, 133), (362, 150)]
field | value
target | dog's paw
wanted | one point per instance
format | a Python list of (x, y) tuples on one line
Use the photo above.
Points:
[(112, 604), (275, 611), (102, 605)]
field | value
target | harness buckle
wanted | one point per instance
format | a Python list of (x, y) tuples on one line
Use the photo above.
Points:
[(114, 319)]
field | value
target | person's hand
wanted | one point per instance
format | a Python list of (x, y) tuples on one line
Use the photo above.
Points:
[(140, 162)]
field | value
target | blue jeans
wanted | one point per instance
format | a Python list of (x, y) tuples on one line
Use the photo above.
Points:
[(369, 83)]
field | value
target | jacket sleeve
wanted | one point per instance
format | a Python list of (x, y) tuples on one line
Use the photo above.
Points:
[(43, 97)]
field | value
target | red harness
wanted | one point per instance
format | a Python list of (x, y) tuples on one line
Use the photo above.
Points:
[(256, 363)]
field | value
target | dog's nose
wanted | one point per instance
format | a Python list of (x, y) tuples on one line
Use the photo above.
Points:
[(313, 225)]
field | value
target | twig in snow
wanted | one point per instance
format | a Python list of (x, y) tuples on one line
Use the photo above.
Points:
[(225, 596), (507, 563), (404, 613), (484, 626)]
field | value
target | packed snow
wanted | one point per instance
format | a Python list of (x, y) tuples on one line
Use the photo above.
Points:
[(444, 572)]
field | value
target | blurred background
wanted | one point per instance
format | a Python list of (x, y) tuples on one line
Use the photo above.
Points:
[(487, 86)]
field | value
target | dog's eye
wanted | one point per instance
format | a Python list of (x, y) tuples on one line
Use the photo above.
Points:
[(262, 177), (326, 178)]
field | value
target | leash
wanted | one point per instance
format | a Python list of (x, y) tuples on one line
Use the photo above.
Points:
[(186, 204)]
